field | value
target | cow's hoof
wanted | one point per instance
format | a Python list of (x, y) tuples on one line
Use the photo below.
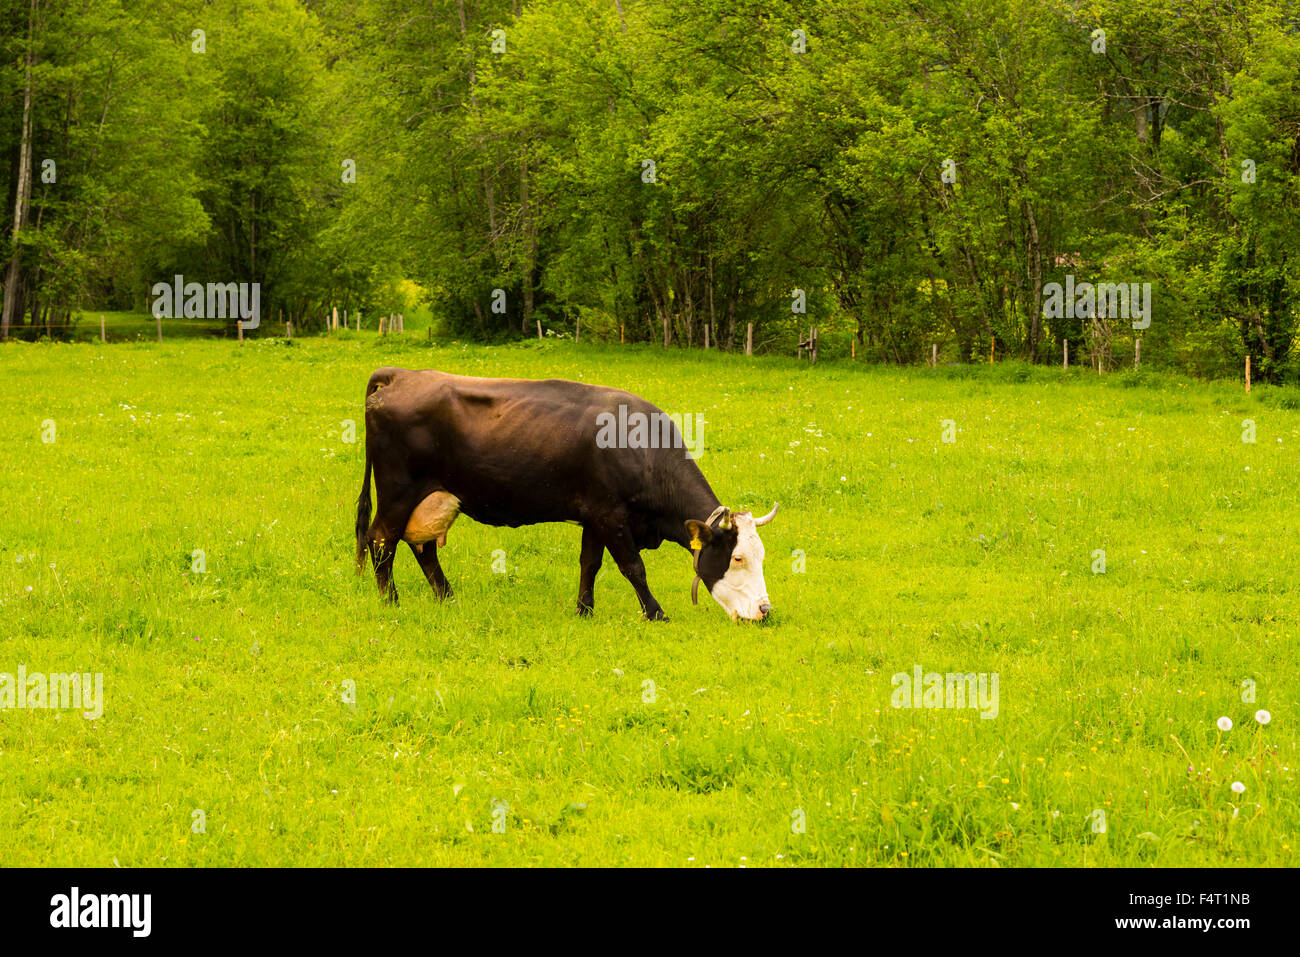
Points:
[(657, 615), (584, 611)]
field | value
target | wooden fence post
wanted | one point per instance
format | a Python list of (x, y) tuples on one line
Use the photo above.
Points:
[(706, 335), (1137, 354), (381, 325), (102, 338), (577, 328), (749, 339), (1247, 374), (239, 326), (853, 348), (1065, 361), (620, 332), (159, 328), (539, 328)]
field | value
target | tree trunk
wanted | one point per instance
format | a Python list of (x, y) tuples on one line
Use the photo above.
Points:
[(530, 245), (485, 173), (22, 195), (1035, 256)]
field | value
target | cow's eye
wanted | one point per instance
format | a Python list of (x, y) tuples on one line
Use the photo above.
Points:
[(739, 560)]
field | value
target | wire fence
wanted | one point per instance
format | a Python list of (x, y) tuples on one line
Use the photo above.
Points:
[(136, 328)]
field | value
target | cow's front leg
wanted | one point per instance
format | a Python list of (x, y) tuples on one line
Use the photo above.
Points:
[(629, 561), (593, 553)]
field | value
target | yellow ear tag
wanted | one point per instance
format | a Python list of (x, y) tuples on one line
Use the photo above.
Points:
[(696, 544)]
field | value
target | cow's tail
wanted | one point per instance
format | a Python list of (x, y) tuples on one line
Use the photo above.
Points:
[(378, 379), (363, 515)]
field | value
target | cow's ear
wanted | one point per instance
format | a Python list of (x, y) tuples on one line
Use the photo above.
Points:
[(699, 532)]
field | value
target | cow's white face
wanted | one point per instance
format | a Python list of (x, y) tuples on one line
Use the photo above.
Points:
[(741, 592), (730, 564)]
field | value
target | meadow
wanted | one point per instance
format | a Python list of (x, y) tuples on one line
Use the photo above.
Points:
[(185, 529)]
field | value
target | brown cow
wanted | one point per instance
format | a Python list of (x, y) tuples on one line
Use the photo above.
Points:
[(518, 452)]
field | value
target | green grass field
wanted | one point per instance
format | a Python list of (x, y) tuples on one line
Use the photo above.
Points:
[(224, 689)]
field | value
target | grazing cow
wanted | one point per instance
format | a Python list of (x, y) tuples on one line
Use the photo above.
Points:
[(519, 452)]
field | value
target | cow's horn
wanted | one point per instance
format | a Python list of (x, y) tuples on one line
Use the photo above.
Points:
[(769, 516)]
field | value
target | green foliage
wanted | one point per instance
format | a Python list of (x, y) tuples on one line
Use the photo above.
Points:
[(920, 171)]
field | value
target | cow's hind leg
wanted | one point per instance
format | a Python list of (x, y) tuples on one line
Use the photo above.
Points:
[(624, 551), (383, 547), (384, 535), (427, 556), (593, 553)]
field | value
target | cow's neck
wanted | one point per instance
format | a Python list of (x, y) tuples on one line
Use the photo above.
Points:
[(692, 498)]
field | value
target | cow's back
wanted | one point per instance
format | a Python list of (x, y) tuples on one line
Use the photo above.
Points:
[(513, 451)]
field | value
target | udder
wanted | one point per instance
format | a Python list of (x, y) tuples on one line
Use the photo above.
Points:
[(431, 520)]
